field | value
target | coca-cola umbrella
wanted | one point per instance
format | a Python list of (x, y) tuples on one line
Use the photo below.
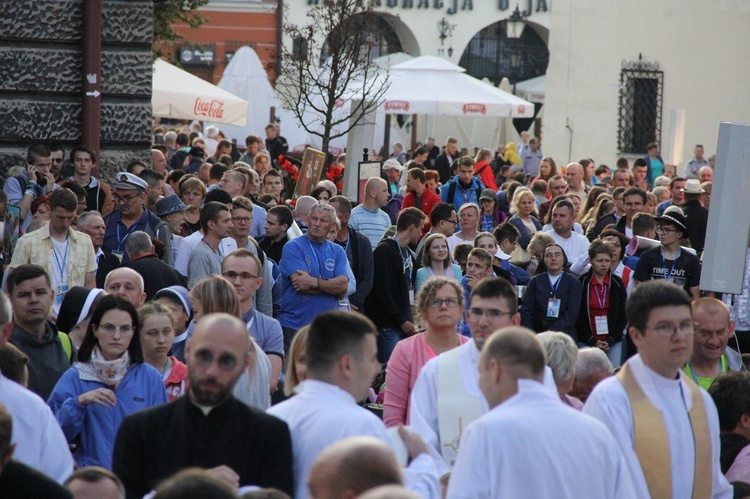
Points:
[(181, 95)]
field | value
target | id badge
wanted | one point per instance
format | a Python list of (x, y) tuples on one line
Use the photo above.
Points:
[(119, 255), (553, 308), (60, 293), (602, 329), (411, 296)]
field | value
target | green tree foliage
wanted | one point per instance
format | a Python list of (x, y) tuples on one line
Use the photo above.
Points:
[(169, 12)]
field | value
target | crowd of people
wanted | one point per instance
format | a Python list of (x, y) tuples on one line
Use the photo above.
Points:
[(476, 326)]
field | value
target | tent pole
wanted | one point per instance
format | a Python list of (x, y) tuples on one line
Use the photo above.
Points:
[(387, 137), (413, 133)]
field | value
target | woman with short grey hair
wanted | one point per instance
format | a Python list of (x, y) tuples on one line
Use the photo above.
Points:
[(562, 353)]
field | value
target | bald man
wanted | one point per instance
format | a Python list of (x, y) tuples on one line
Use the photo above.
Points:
[(208, 428), (574, 176), (711, 355), (126, 283), (368, 218), (542, 440), (302, 211), (351, 466)]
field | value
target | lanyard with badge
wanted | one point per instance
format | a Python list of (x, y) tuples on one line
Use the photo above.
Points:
[(407, 266), (602, 328), (553, 305), (668, 274), (62, 286), (119, 253)]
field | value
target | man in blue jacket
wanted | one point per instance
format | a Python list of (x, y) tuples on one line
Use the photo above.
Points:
[(464, 187)]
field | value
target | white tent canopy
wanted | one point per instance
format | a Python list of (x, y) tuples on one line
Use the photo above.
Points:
[(181, 95), (246, 78), (532, 90), (431, 85)]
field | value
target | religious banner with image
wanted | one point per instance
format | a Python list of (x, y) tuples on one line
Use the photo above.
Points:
[(313, 165)]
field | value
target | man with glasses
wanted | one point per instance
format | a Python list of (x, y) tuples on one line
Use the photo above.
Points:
[(131, 215), (36, 181), (208, 427), (443, 220), (669, 261), (666, 426), (243, 269), (711, 355), (446, 397), (58, 162)]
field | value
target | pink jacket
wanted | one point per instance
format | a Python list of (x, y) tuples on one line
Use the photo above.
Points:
[(407, 359), (176, 383)]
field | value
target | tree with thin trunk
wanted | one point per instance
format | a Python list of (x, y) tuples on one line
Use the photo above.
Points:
[(326, 63)]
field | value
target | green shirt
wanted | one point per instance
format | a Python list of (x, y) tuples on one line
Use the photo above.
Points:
[(705, 383)]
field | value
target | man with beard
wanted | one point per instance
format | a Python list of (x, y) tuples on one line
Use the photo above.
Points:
[(208, 428)]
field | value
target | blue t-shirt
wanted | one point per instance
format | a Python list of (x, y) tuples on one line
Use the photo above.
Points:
[(325, 260), (266, 331)]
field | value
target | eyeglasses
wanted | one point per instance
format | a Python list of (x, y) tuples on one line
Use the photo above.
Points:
[(490, 313), (454, 222), (448, 302), (57, 160), (665, 230), (668, 330), (245, 276), (242, 220), (226, 362), (111, 329), (124, 199)]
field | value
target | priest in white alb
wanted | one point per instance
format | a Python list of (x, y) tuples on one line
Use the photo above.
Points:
[(529, 444), (667, 427)]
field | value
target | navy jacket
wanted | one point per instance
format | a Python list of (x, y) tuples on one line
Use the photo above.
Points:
[(538, 293)]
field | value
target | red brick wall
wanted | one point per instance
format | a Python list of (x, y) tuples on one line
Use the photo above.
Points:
[(228, 31)]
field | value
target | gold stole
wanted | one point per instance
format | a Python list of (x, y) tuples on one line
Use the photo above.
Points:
[(651, 442)]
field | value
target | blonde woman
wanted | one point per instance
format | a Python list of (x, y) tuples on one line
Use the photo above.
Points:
[(523, 209)]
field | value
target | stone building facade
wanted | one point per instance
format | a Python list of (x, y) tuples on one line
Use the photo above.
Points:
[(41, 79)]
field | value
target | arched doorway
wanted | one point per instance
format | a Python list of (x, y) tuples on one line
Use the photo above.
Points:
[(384, 38), (491, 54)]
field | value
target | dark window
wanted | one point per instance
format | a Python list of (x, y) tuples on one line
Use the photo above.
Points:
[(382, 40), (299, 49), (640, 109), (491, 54)]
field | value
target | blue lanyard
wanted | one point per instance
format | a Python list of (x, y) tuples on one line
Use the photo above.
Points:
[(120, 241), (664, 263), (65, 257), (315, 254), (556, 285)]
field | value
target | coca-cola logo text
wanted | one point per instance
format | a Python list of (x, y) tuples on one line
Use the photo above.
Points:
[(210, 109)]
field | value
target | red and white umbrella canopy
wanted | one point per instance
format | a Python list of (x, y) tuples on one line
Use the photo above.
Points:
[(434, 86)]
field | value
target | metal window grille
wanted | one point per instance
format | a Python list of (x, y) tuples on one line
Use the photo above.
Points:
[(491, 54), (640, 107)]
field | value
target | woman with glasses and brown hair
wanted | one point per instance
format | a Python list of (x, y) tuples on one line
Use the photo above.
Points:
[(109, 382), (439, 305)]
